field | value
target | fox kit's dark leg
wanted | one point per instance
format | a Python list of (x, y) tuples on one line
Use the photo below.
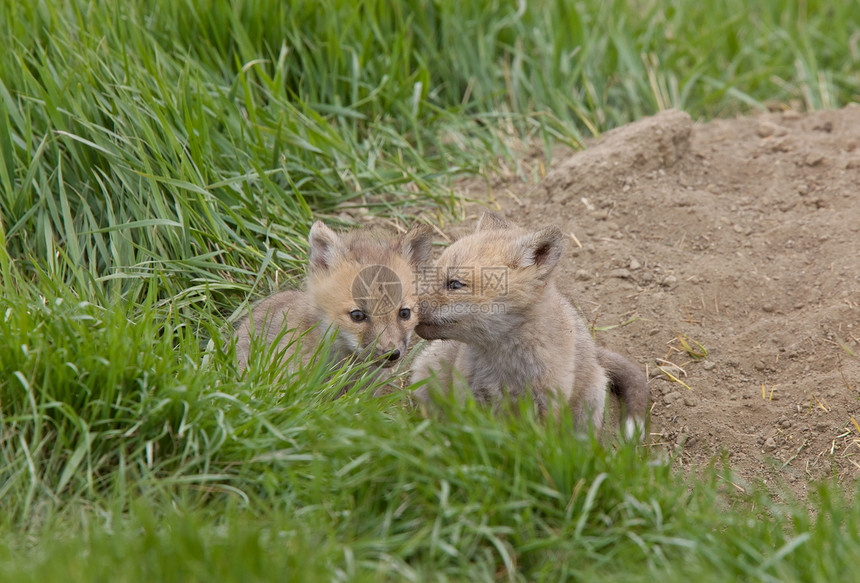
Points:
[(628, 382)]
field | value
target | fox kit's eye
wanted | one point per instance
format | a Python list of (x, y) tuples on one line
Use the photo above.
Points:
[(358, 316), (455, 284), (405, 313)]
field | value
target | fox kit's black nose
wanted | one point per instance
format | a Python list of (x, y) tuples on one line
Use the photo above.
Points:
[(394, 355)]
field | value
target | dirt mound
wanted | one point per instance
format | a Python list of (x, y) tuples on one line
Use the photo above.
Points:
[(734, 248), (648, 145)]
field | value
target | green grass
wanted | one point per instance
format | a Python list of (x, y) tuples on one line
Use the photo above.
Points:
[(160, 164)]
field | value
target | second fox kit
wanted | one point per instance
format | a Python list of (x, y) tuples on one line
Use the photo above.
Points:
[(360, 289), (498, 322)]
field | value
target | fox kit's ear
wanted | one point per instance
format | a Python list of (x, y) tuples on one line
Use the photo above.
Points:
[(492, 222), (541, 249), (416, 244), (326, 247)]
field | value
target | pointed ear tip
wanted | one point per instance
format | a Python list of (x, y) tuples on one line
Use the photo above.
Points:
[(420, 229), (417, 243), (321, 227), (554, 232), (323, 239), (490, 221), (316, 226), (418, 235)]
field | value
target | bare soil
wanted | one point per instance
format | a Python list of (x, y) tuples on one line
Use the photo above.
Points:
[(740, 238)]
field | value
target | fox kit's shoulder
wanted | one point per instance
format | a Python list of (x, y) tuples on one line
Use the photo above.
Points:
[(268, 320), (492, 295), (360, 292)]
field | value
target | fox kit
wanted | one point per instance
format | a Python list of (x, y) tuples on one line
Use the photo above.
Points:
[(360, 290), (499, 323)]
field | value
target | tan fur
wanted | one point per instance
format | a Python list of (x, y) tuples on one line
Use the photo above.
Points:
[(324, 308), (518, 337)]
